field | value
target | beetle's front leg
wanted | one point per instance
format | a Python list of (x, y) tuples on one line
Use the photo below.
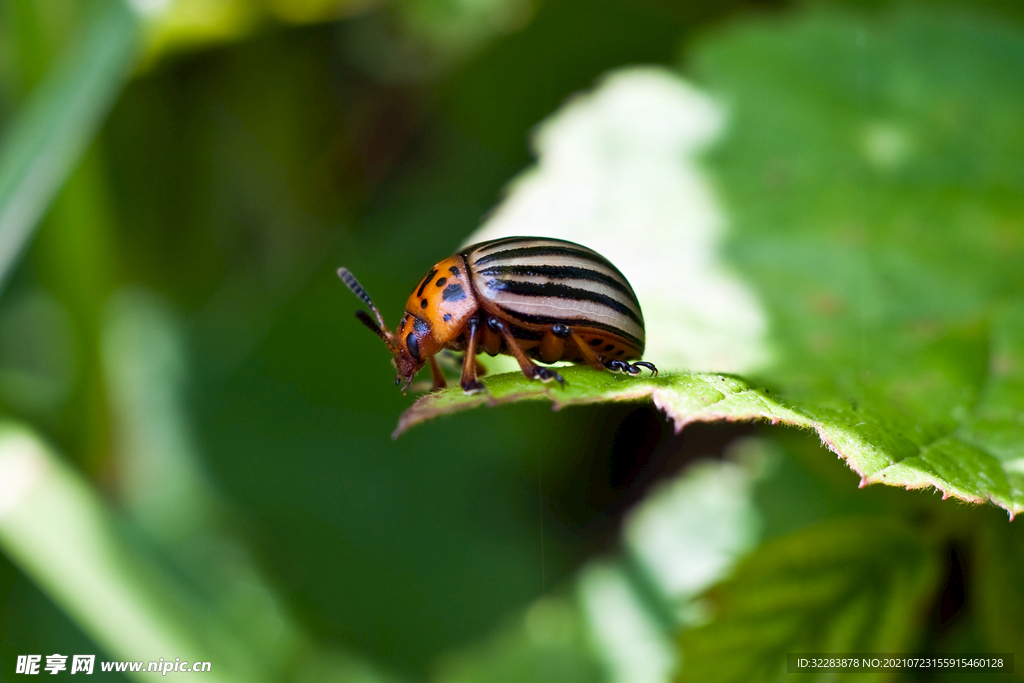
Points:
[(529, 368), (436, 375), (470, 384)]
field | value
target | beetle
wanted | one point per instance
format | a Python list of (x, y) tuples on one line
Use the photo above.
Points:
[(529, 297)]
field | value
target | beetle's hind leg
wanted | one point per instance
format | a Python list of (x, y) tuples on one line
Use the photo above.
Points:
[(631, 368), (529, 368), (649, 366), (586, 352)]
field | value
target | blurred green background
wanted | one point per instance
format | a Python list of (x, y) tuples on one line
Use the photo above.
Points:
[(174, 331)]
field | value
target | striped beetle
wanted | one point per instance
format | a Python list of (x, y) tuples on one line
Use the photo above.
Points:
[(530, 297)]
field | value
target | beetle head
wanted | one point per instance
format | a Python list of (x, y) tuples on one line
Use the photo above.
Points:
[(411, 343), (416, 343), (407, 367)]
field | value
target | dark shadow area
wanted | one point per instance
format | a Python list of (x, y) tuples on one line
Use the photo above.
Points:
[(633, 448)]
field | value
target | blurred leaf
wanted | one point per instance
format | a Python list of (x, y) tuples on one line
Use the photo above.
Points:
[(63, 537), (52, 130), (163, 486), (627, 637), (411, 38), (851, 585), (689, 532), (999, 564), (37, 355), (419, 40), (874, 174), (545, 644), (66, 539)]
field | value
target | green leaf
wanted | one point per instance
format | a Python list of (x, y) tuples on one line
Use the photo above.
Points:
[(875, 178), (47, 137), (871, 173), (849, 585), (685, 398)]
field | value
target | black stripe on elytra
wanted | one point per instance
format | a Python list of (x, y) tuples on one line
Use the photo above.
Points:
[(489, 244), (550, 289), (571, 322), (561, 273), (428, 278), (546, 250), (453, 292)]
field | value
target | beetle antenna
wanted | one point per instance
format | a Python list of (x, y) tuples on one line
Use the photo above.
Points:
[(378, 328), (365, 319)]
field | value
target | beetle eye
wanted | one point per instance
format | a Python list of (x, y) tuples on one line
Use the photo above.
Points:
[(413, 345)]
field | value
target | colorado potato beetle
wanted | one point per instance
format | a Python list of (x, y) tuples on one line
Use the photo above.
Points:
[(529, 297)]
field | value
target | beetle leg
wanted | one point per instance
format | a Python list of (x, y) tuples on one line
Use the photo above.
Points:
[(470, 384), (529, 368), (631, 368), (621, 366), (481, 369), (649, 366), (437, 375), (586, 351)]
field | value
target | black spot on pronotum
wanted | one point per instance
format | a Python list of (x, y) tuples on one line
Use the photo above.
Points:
[(620, 352), (440, 281), (413, 345), (454, 270), (447, 317), (453, 292), (609, 347), (423, 303), (428, 278), (595, 342)]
